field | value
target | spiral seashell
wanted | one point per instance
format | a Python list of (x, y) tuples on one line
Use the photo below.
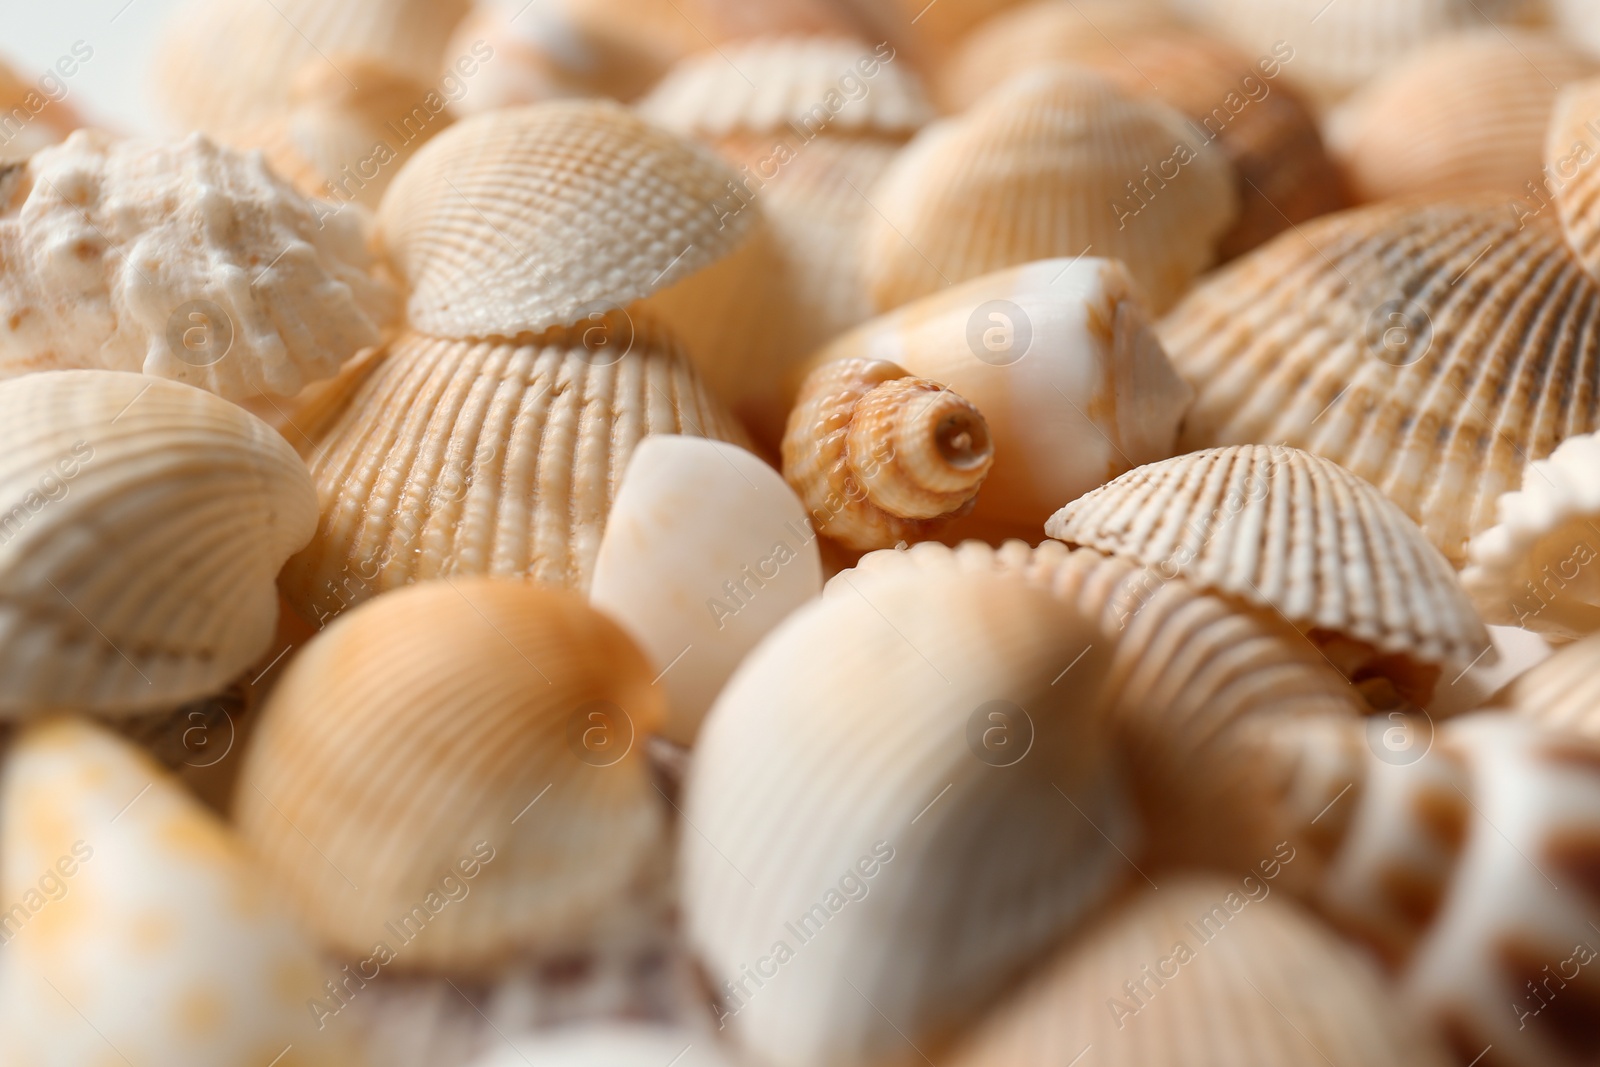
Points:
[(608, 1044), (519, 220), (1207, 970), (1297, 535), (1433, 351), (139, 924), (1057, 162), (408, 750), (34, 120), (1562, 692), (1568, 178), (879, 456), (144, 524), (503, 458)]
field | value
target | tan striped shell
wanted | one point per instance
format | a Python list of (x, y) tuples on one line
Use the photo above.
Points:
[(469, 752), (461, 457), (1561, 693), (1432, 350), (1570, 152)]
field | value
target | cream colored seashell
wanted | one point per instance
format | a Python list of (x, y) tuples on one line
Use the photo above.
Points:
[(33, 119), (608, 1044), (519, 220), (1060, 358), (1432, 350), (1467, 114), (1575, 18), (143, 525), (479, 730), (1562, 692), (844, 756), (878, 456), (185, 260), (1295, 534), (1569, 172), (139, 932), (1057, 162), (1207, 970), (705, 550)]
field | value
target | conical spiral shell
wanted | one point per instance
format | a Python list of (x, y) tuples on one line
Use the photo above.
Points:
[(473, 732), (519, 220), (1433, 351), (1057, 162), (1205, 970), (1570, 170), (144, 523), (1295, 534), (1561, 693), (502, 458), (138, 923)]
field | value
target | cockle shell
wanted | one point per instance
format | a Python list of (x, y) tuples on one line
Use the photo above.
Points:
[(609, 1044), (144, 524), (1205, 970), (519, 220), (705, 550), (503, 458), (1057, 162), (473, 732), (1060, 358), (138, 930), (1562, 692), (878, 456), (1570, 154), (185, 260), (1295, 534), (1467, 114), (846, 909), (1432, 350), (35, 116)]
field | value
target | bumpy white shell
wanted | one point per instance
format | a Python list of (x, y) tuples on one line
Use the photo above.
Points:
[(608, 1044), (184, 260), (139, 931)]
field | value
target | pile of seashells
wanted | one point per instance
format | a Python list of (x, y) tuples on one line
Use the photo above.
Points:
[(808, 533)]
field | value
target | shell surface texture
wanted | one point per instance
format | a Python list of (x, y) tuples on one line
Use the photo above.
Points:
[(1570, 171)]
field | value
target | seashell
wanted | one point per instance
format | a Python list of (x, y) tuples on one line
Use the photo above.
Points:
[(705, 550), (1466, 114), (1562, 692), (1060, 359), (1297, 535), (138, 923), (608, 1044), (489, 457), (34, 118), (1057, 162), (1568, 175), (1575, 20), (878, 456), (524, 219), (404, 753), (1432, 350), (1156, 984), (844, 908), (146, 522), (185, 260)]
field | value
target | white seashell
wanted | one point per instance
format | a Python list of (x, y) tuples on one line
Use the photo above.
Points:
[(608, 1044)]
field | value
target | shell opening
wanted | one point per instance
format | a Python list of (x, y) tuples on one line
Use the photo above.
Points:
[(919, 450), (963, 442)]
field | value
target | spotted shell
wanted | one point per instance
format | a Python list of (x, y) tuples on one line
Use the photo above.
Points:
[(138, 923), (1056, 162), (1433, 351), (455, 734), (1562, 692), (34, 120), (1569, 171), (502, 458), (145, 523), (608, 1044)]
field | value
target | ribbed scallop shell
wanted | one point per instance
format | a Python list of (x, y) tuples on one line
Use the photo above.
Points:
[(1301, 342), (1057, 162), (139, 931), (519, 220), (460, 457), (1569, 171), (482, 731), (33, 119), (1467, 114), (608, 1044), (143, 525), (1292, 533), (1208, 970), (1561, 693)]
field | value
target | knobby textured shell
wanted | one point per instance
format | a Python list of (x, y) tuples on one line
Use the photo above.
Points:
[(1467, 114), (138, 922), (1057, 162), (1570, 169), (896, 811), (144, 524), (1205, 970), (503, 458), (35, 120), (185, 260), (1561, 693), (1292, 533), (520, 220), (1431, 350), (456, 772), (705, 550), (607, 1044)]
